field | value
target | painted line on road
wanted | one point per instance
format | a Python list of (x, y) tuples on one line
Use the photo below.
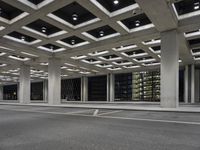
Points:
[(110, 112), (49, 112), (108, 117)]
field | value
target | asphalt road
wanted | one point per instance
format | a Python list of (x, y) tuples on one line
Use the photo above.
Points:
[(47, 128)]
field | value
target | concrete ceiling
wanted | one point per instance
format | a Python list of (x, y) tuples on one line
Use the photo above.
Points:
[(105, 38)]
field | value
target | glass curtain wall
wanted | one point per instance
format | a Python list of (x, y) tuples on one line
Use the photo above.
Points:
[(71, 89), (37, 91), (137, 86), (10, 92), (97, 88)]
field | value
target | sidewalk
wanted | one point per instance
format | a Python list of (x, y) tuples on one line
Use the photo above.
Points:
[(139, 106)]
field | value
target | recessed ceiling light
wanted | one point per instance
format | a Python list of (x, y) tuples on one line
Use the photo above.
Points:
[(196, 5), (44, 29), (137, 23), (51, 47), (116, 2), (23, 38), (101, 33), (73, 42), (75, 17)]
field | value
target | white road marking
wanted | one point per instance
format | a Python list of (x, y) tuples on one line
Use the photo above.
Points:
[(48, 112), (110, 112), (108, 117), (96, 112)]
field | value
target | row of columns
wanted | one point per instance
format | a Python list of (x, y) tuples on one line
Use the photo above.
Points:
[(169, 77)]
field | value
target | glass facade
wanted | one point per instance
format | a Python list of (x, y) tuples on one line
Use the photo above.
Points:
[(71, 89), (97, 88), (37, 91), (143, 86), (123, 87), (10, 92)]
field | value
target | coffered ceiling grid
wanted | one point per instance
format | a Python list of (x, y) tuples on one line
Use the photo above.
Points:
[(81, 40)]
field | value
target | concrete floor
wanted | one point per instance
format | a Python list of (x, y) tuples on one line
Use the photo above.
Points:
[(50, 128)]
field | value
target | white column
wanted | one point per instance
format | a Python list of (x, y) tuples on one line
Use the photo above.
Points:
[(197, 85), (186, 84), (24, 84), (1, 92), (45, 90), (112, 87), (108, 87), (54, 81), (169, 69), (192, 83), (84, 89)]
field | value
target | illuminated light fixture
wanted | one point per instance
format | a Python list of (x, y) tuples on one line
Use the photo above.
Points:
[(72, 42), (23, 38), (196, 6), (44, 29), (75, 17), (116, 2), (51, 47), (137, 23), (101, 33)]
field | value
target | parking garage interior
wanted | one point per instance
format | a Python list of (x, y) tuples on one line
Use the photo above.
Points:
[(99, 51)]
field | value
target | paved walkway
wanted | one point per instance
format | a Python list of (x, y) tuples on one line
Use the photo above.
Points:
[(149, 106)]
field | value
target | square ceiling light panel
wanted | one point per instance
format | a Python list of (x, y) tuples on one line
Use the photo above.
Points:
[(43, 28), (115, 7), (10, 14), (135, 53), (195, 51), (22, 38), (101, 33), (72, 41), (36, 4), (145, 59), (136, 23), (51, 48), (187, 8), (74, 15), (110, 57), (193, 42), (156, 49)]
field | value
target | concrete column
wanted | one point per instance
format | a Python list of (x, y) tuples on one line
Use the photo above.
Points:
[(84, 89), (54, 81), (192, 83), (1, 92), (112, 88), (197, 85), (186, 80), (108, 88), (169, 69), (45, 90), (24, 85)]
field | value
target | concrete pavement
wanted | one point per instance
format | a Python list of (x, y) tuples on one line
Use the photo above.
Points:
[(39, 128)]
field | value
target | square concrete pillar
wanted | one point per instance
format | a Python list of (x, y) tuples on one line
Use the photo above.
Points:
[(24, 84), (84, 89), (192, 83), (169, 69), (45, 90), (186, 80), (1, 92), (112, 87), (54, 81)]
